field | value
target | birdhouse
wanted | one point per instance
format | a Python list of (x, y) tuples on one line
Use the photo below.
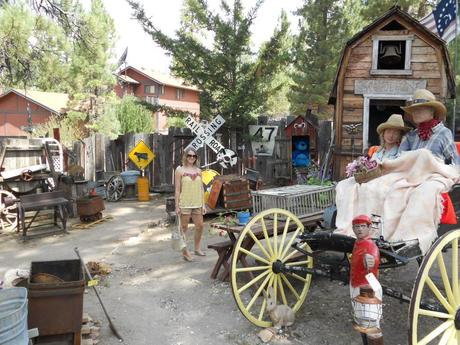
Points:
[(302, 134)]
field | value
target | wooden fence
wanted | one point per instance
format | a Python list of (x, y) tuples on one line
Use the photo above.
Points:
[(100, 156)]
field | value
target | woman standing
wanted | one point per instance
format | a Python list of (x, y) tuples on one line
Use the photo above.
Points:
[(391, 133), (189, 197)]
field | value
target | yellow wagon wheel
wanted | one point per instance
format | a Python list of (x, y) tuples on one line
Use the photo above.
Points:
[(437, 280), (258, 257)]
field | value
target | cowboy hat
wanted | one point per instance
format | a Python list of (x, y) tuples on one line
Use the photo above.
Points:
[(394, 121), (424, 98)]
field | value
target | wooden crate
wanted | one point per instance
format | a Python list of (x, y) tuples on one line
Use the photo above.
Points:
[(236, 194), (230, 192), (301, 200)]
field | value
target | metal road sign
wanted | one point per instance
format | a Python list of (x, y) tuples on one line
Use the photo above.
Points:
[(204, 135), (141, 155)]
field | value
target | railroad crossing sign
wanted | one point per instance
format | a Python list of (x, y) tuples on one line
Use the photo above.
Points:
[(204, 135), (141, 155)]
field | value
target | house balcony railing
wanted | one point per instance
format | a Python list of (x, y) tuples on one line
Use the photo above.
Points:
[(152, 100)]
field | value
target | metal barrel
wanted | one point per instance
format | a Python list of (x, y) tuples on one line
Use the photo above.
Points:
[(13, 316), (143, 193)]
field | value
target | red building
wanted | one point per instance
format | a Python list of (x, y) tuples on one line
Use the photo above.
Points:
[(157, 88), (17, 105)]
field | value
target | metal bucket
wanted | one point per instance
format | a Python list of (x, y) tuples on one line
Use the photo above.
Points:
[(13, 316), (130, 177)]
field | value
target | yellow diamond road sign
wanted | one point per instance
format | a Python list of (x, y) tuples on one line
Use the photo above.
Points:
[(141, 155)]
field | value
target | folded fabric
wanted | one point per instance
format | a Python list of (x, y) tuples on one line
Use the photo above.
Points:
[(407, 196)]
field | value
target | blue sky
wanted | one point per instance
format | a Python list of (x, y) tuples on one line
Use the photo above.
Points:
[(143, 52)]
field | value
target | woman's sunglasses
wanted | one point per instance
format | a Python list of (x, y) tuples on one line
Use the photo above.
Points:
[(191, 156)]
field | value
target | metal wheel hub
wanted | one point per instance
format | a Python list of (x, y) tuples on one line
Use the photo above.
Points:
[(457, 320), (277, 267)]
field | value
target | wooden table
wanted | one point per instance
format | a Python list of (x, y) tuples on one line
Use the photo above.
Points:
[(225, 249)]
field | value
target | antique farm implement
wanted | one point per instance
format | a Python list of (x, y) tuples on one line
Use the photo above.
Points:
[(27, 166), (275, 251)]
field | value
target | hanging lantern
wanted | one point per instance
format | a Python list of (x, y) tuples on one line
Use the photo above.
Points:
[(367, 311)]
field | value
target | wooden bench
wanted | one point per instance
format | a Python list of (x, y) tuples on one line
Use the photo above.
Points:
[(37, 202), (224, 251)]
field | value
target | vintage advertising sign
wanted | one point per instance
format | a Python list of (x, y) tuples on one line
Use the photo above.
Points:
[(263, 139), (204, 135), (141, 155)]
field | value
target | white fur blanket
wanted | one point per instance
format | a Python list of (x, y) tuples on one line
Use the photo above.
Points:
[(407, 197)]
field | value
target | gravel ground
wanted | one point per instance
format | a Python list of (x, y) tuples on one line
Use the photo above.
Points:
[(154, 297)]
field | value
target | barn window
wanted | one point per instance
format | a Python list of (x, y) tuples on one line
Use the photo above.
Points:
[(391, 55)]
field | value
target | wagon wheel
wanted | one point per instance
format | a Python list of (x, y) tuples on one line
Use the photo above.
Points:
[(437, 279), (115, 188), (256, 263), (8, 215)]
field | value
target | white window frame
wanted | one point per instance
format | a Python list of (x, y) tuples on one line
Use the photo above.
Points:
[(180, 93), (375, 54), (148, 89)]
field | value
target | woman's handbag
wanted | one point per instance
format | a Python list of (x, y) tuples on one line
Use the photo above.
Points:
[(177, 237)]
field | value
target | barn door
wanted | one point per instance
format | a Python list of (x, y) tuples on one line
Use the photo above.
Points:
[(379, 111)]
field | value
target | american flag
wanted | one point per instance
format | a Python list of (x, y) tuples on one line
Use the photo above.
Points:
[(443, 20)]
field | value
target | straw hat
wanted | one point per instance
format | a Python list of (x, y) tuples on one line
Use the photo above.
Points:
[(394, 121), (424, 98)]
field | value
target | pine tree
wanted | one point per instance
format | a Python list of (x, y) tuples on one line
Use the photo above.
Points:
[(372, 9), (213, 51), (322, 35), (55, 45), (277, 103)]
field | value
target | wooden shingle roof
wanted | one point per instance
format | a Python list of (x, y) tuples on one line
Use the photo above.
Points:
[(397, 13), (54, 102), (162, 79)]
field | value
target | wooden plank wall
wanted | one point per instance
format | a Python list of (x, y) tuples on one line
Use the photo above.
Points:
[(22, 153)]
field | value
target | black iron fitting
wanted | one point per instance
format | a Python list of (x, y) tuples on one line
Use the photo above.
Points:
[(303, 251), (278, 267), (457, 320)]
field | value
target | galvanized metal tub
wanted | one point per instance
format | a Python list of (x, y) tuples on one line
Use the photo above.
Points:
[(13, 316)]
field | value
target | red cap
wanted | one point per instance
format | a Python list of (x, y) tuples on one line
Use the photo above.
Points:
[(362, 218)]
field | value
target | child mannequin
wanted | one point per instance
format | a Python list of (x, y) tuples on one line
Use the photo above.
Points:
[(365, 256)]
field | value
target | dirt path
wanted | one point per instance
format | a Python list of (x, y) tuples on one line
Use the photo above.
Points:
[(156, 298)]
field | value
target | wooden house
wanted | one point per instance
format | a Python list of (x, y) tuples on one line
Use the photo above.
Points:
[(20, 109), (379, 70), (158, 88)]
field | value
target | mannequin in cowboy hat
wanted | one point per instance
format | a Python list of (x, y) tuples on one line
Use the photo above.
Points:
[(391, 133), (427, 114)]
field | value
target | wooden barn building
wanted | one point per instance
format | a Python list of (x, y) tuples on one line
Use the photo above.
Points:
[(379, 70), (21, 109)]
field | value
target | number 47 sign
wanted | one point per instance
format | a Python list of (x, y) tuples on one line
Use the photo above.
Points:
[(263, 139)]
